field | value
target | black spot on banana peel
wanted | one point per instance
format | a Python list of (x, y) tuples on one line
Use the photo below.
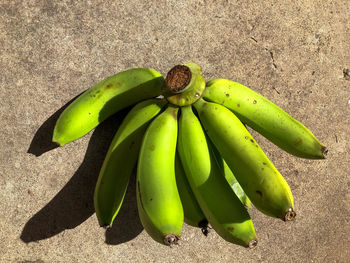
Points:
[(259, 193)]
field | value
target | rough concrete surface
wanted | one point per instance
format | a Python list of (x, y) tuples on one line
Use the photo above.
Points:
[(296, 53)]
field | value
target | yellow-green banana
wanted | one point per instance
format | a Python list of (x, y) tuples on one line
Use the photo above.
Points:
[(193, 214), (121, 158), (104, 99), (265, 117), (258, 177), (158, 200), (224, 211)]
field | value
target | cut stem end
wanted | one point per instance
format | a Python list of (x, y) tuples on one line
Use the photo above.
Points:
[(178, 78)]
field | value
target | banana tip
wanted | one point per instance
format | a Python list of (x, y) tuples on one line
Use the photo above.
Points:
[(56, 142), (106, 226), (253, 243), (290, 215), (324, 152), (171, 239), (204, 227)]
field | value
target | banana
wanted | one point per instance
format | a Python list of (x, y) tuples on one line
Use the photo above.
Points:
[(120, 160), (158, 200), (224, 211), (236, 187), (266, 118), (193, 214), (258, 177), (230, 178), (104, 99)]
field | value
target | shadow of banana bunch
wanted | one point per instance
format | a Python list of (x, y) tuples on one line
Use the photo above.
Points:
[(74, 203)]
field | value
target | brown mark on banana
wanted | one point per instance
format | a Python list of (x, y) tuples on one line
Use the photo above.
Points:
[(138, 187), (230, 229), (174, 114), (132, 143), (112, 85), (298, 142)]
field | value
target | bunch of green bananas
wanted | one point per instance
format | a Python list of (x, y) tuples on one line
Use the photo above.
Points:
[(196, 161)]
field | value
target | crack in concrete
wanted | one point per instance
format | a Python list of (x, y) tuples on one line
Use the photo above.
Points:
[(273, 59)]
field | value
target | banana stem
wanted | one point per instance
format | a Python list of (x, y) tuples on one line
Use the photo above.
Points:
[(184, 84), (178, 79)]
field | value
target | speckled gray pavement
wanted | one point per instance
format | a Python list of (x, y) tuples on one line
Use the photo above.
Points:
[(296, 53)]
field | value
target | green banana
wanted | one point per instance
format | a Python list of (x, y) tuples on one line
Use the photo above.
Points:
[(224, 211), (236, 187), (230, 178), (120, 160), (158, 200), (258, 177), (193, 214), (104, 99), (266, 118)]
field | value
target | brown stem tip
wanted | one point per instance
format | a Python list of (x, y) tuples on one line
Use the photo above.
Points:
[(290, 215), (171, 239), (253, 243), (178, 78), (324, 151), (204, 227), (106, 226)]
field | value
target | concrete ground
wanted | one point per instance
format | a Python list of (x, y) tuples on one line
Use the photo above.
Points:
[(296, 53)]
